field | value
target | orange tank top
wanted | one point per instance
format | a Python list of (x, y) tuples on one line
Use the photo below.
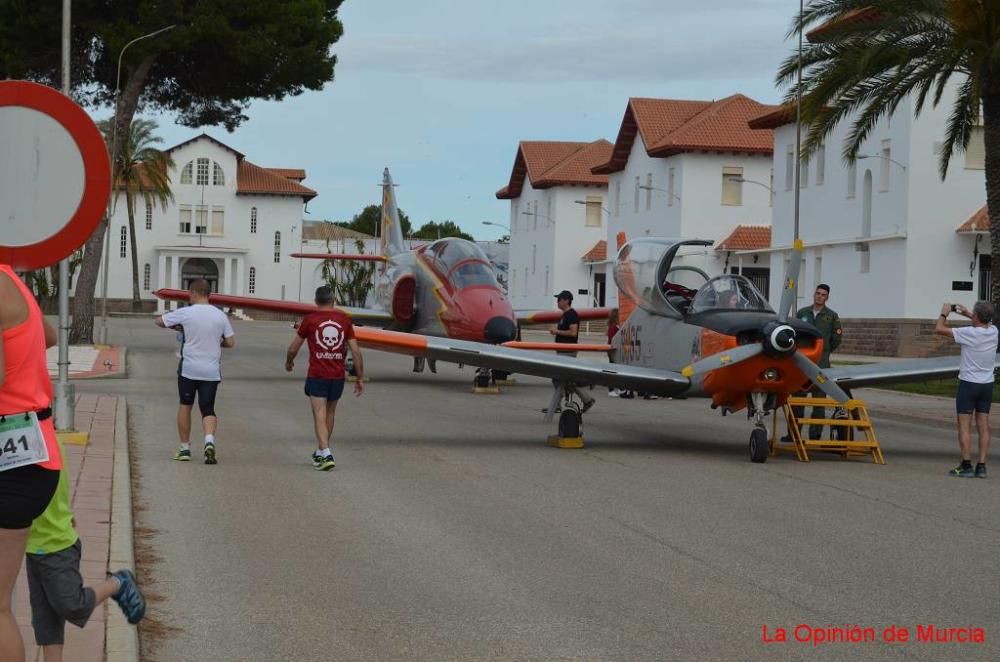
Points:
[(26, 386)]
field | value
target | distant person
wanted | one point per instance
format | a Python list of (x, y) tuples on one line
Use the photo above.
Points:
[(55, 585), (827, 321), (29, 472), (206, 331), (568, 331), (613, 328), (975, 380), (329, 333), (729, 299)]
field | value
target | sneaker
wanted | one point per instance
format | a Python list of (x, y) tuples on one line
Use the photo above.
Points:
[(587, 405), (210, 454), (183, 455), (962, 472), (324, 463), (626, 395), (128, 597), (316, 457), (613, 393), (980, 470)]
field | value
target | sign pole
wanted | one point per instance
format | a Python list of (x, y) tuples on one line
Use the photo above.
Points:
[(64, 395)]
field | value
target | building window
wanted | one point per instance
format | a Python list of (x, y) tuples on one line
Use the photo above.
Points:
[(277, 247), (202, 172), (818, 270), (515, 211), (252, 289), (770, 193), (546, 279), (526, 281), (548, 209), (185, 219), (649, 190), (123, 247), (635, 205), (253, 220), (594, 211), (820, 165), (218, 177), (975, 153), (732, 187), (186, 173), (670, 188), (534, 256), (201, 219), (513, 280), (789, 168), (146, 273), (218, 226), (149, 216), (883, 178), (852, 179), (618, 196), (534, 215), (804, 174)]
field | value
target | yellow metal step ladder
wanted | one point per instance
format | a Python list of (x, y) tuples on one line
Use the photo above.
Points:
[(851, 432)]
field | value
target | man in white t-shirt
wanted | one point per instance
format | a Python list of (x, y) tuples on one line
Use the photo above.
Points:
[(975, 380), (205, 331)]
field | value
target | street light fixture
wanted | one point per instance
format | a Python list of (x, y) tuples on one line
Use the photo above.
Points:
[(103, 335), (499, 225), (880, 156), (584, 202), (537, 215), (653, 188)]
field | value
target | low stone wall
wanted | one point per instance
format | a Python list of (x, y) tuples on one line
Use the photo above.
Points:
[(895, 337)]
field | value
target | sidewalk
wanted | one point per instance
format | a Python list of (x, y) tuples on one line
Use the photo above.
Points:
[(89, 361), (101, 501)]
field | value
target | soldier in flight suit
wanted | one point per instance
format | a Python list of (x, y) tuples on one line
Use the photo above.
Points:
[(828, 322)]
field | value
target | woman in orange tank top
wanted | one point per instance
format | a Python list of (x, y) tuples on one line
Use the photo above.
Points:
[(27, 480)]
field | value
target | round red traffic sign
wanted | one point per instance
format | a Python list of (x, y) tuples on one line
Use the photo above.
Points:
[(55, 175)]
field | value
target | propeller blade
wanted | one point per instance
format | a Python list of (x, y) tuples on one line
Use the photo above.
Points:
[(814, 373), (722, 359), (791, 280)]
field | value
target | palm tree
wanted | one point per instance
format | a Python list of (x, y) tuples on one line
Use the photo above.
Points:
[(874, 54), (141, 171)]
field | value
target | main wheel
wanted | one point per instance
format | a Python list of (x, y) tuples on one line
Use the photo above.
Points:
[(758, 445), (482, 380), (569, 424), (500, 375)]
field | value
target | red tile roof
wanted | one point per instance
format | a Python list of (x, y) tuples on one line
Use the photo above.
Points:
[(298, 174), (978, 222), (670, 126), (252, 179), (599, 253), (746, 238), (773, 118), (550, 163), (848, 19)]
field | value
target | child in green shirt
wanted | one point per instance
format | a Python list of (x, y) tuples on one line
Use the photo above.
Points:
[(54, 582)]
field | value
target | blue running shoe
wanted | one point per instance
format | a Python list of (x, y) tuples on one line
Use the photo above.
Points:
[(980, 470), (210, 454), (128, 597), (962, 472), (324, 463), (183, 455)]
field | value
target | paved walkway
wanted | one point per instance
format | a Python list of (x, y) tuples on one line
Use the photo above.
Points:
[(89, 361), (91, 468)]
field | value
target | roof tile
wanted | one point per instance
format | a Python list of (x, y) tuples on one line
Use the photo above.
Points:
[(551, 163), (978, 222), (251, 179), (599, 252), (746, 238)]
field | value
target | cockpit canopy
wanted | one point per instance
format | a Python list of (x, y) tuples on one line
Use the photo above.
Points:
[(728, 292), (462, 262)]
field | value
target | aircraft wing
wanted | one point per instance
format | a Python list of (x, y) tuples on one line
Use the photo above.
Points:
[(358, 315), (895, 372), (355, 257), (526, 362), (528, 317)]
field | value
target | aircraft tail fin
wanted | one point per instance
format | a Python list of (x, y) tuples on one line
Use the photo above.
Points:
[(391, 230)]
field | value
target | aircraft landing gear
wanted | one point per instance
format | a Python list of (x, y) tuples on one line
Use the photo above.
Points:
[(483, 382), (570, 428), (758, 444), (759, 407)]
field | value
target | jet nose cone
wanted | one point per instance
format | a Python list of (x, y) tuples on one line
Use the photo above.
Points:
[(500, 330)]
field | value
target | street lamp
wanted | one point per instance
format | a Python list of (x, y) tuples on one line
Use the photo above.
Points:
[(584, 202), (103, 335), (653, 188), (880, 156), (537, 215), (744, 180), (499, 225)]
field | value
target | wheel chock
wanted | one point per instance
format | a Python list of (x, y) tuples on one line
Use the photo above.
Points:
[(485, 389), (556, 441), (506, 382)]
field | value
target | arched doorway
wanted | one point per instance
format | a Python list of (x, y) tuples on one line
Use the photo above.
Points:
[(200, 267)]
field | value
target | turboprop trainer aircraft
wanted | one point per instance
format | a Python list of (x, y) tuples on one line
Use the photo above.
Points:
[(691, 336)]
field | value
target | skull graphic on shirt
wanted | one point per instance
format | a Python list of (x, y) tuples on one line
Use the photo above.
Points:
[(329, 335)]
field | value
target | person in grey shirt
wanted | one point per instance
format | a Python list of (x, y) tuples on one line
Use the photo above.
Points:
[(206, 331)]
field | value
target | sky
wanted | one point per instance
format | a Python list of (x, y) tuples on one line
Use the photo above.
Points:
[(442, 91)]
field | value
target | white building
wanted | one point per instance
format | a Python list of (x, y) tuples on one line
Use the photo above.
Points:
[(891, 238), (696, 171), (556, 217)]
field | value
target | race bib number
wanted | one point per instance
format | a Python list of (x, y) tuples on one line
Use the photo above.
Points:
[(21, 441)]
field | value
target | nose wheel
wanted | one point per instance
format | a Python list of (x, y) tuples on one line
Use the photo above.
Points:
[(758, 445)]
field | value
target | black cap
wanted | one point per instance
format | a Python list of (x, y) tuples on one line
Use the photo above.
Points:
[(565, 294)]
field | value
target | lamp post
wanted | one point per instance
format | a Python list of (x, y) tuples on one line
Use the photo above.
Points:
[(744, 180), (884, 158), (499, 225), (653, 188), (537, 215), (584, 202), (103, 335)]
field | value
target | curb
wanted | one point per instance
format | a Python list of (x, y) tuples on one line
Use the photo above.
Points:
[(121, 643)]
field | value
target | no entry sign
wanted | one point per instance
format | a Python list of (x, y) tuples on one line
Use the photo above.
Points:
[(55, 176)]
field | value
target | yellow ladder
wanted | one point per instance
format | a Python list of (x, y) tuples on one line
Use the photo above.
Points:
[(857, 422)]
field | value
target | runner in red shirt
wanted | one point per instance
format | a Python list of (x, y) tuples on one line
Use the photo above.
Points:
[(329, 333)]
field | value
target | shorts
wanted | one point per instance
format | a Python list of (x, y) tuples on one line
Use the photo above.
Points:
[(57, 594), (974, 397), (205, 390), (25, 493), (331, 389)]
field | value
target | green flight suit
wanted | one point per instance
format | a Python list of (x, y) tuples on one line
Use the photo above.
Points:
[(828, 323)]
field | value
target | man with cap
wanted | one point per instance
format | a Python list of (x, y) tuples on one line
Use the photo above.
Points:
[(567, 331)]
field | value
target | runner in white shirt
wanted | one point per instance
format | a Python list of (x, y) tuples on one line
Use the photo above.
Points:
[(206, 330), (975, 380)]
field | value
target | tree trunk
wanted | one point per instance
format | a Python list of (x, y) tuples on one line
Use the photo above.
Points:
[(136, 300), (82, 329), (991, 135)]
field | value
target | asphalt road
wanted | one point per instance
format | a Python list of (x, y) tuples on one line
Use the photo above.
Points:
[(450, 531)]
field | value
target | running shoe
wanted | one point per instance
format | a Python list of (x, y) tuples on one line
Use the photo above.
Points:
[(129, 597), (317, 457), (980, 470), (962, 472), (183, 455), (210, 454), (324, 463)]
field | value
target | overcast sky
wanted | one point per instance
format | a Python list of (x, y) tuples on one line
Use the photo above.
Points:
[(441, 91)]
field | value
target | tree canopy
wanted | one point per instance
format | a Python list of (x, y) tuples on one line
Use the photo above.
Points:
[(434, 230), (369, 220)]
